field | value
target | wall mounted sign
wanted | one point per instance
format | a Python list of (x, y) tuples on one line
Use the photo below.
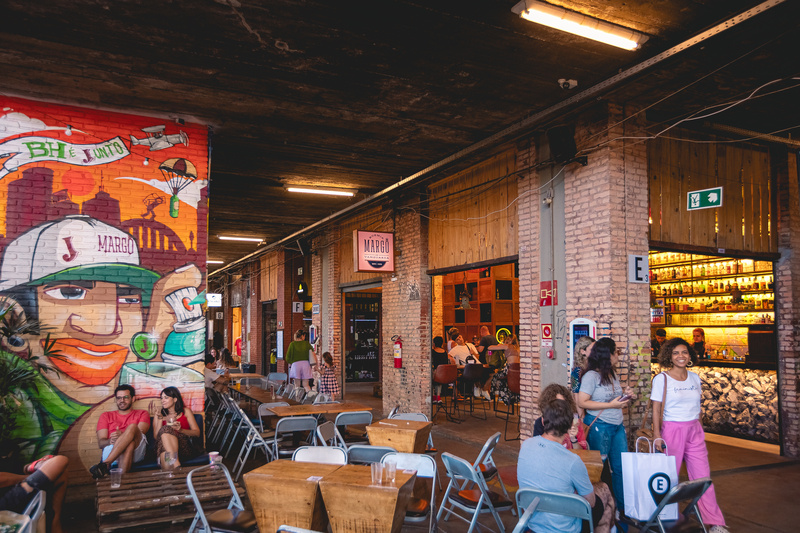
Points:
[(547, 334), (638, 269), (548, 293), (373, 251), (214, 299), (704, 199)]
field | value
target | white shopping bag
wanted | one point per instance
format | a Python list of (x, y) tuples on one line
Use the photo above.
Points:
[(647, 478)]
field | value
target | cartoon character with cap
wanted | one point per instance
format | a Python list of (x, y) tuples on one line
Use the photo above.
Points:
[(82, 280)]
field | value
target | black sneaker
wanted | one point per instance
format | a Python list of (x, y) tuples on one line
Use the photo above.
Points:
[(99, 471)]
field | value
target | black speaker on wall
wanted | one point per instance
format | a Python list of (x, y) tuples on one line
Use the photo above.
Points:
[(562, 143)]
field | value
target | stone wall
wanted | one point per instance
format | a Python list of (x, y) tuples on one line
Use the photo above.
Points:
[(739, 402)]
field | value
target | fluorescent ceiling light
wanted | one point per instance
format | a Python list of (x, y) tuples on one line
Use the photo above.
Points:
[(248, 239), (319, 190), (578, 24), (214, 262)]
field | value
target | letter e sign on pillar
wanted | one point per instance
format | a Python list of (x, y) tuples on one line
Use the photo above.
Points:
[(638, 269)]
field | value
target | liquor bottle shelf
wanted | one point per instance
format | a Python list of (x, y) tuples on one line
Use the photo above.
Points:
[(712, 277)]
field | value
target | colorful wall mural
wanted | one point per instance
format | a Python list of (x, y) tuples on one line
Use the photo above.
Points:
[(103, 242)]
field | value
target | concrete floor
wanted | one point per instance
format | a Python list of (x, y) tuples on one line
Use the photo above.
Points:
[(756, 489)]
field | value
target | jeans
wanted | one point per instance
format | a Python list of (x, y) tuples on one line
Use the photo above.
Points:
[(610, 441)]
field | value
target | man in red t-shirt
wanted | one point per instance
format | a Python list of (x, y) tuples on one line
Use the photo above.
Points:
[(120, 433)]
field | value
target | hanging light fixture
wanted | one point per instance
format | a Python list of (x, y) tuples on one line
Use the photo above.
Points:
[(464, 296), (579, 24)]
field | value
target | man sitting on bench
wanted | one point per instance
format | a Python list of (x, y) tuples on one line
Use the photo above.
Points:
[(121, 433)]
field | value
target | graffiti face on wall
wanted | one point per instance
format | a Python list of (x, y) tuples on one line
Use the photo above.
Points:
[(95, 248)]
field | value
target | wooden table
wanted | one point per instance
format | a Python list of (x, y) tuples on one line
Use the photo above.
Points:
[(409, 436), (318, 409), (240, 375), (287, 492), (260, 395), (151, 498), (593, 462), (355, 505)]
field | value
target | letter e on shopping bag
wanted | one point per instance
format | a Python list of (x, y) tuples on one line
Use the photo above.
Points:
[(646, 479)]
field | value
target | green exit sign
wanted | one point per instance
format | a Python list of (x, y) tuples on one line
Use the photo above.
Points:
[(705, 199)]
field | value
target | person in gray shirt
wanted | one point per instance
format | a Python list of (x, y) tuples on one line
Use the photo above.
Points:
[(545, 464), (602, 397)]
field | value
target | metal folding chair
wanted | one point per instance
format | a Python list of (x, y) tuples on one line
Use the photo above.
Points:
[(541, 501), (353, 418), (421, 417), (233, 519), (688, 491), (485, 466), (418, 509), (310, 397), (470, 501), (287, 427), (364, 454), (253, 439), (276, 379), (320, 454), (328, 435), (297, 394), (264, 410), (322, 398)]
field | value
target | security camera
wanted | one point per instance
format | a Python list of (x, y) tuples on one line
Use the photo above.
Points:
[(567, 84)]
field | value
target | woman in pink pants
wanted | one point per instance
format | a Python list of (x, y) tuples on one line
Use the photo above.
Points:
[(681, 429)]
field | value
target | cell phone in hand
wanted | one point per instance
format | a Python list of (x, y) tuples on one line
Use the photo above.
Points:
[(625, 397)]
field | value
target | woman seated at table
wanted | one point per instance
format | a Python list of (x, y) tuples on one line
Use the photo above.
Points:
[(463, 352), (174, 426), (226, 362), (499, 381), (574, 439), (545, 464)]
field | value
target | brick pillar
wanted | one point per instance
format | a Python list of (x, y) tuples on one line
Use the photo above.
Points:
[(529, 276), (606, 219), (406, 312), (787, 283)]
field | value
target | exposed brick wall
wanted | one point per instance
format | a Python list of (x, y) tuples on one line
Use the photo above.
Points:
[(93, 209), (529, 276), (406, 307), (788, 294)]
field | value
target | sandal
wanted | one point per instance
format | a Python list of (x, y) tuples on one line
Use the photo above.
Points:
[(31, 467)]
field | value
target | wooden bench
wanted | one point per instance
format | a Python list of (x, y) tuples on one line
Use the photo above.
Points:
[(151, 499)]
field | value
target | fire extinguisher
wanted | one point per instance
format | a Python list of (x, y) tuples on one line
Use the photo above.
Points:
[(398, 351)]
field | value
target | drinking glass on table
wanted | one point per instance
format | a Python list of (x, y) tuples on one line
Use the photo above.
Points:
[(377, 473), (170, 461), (390, 471)]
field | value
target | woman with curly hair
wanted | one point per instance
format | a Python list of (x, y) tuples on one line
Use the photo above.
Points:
[(174, 426), (574, 438), (579, 355), (603, 398), (682, 430)]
